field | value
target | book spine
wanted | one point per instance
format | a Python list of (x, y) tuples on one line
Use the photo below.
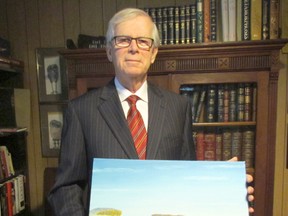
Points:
[(236, 141), (240, 102), (247, 102), (227, 148), (200, 145), (206, 21), (232, 20), (256, 19), (170, 25), (187, 24), (200, 105), (220, 104), (164, 26), (193, 25), (200, 22), (265, 19), (246, 31), (210, 146), (226, 103), (248, 147), (218, 143), (213, 20), (211, 103), (182, 24), (21, 192), (239, 20), (225, 24), (159, 22), (274, 19), (254, 102), (176, 25), (232, 103)]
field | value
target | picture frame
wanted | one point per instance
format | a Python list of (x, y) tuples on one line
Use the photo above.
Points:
[(51, 116), (52, 75)]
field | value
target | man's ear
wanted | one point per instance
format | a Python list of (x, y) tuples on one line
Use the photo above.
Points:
[(154, 54), (109, 53)]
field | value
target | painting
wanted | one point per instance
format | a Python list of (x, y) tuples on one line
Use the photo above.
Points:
[(126, 187), (51, 128), (52, 78)]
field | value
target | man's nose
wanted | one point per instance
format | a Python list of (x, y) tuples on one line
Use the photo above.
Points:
[(133, 46)]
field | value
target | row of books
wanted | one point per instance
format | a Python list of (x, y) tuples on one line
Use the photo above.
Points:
[(12, 196), (223, 144), (216, 20), (233, 102), (7, 168)]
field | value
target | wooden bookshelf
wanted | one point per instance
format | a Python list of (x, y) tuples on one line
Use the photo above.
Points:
[(207, 63)]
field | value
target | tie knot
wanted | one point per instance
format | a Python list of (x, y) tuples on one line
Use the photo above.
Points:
[(132, 99)]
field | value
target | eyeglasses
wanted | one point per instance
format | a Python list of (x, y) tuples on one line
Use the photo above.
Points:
[(144, 43)]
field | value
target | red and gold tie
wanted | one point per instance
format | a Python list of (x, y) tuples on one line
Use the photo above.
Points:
[(137, 127)]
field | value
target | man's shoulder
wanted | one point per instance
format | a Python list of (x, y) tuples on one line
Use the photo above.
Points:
[(166, 93)]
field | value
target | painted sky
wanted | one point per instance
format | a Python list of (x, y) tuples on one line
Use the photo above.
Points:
[(146, 187)]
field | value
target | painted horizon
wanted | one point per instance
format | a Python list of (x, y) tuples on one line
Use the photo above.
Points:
[(174, 188)]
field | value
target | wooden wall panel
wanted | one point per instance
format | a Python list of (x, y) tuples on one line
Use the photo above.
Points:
[(36, 163), (109, 9), (3, 20), (71, 16), (51, 23), (124, 4), (91, 17)]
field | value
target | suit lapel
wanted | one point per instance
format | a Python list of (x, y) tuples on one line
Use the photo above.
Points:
[(112, 112), (156, 115)]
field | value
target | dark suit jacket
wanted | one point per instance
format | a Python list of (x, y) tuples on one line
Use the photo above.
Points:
[(95, 126)]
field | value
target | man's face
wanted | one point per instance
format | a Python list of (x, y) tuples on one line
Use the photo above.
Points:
[(132, 62)]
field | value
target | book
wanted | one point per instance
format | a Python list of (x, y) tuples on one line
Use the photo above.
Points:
[(274, 19), (254, 101), (236, 143), (211, 103), (225, 17), (240, 102), (227, 147), (210, 145), (206, 21), (200, 145), (246, 22), (21, 192), (248, 102), (265, 19), (193, 26), (200, 104), (182, 25), (239, 17), (232, 103), (170, 25), (226, 103), (176, 25), (218, 144), (232, 20), (159, 23), (187, 24), (199, 21), (256, 19), (213, 20), (220, 104), (248, 147), (164, 26)]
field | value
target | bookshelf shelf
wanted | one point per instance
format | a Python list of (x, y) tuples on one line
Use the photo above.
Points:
[(224, 124), (254, 62)]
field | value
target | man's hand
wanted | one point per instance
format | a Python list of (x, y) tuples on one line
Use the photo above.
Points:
[(250, 189)]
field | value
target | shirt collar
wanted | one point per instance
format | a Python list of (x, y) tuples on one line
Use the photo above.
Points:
[(125, 93)]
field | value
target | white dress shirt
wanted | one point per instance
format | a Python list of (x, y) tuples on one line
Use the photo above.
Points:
[(141, 104)]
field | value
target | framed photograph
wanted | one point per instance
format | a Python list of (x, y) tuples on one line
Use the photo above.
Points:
[(51, 116), (52, 78)]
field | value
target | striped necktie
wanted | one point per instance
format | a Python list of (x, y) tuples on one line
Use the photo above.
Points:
[(137, 127)]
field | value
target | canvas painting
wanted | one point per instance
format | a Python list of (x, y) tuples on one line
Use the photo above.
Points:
[(168, 188)]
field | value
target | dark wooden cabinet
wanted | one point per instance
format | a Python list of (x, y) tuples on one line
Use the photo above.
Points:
[(209, 63)]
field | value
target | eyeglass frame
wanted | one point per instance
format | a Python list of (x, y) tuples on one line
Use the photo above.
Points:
[(130, 39)]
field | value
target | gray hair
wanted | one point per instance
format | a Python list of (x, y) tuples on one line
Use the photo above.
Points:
[(125, 15)]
